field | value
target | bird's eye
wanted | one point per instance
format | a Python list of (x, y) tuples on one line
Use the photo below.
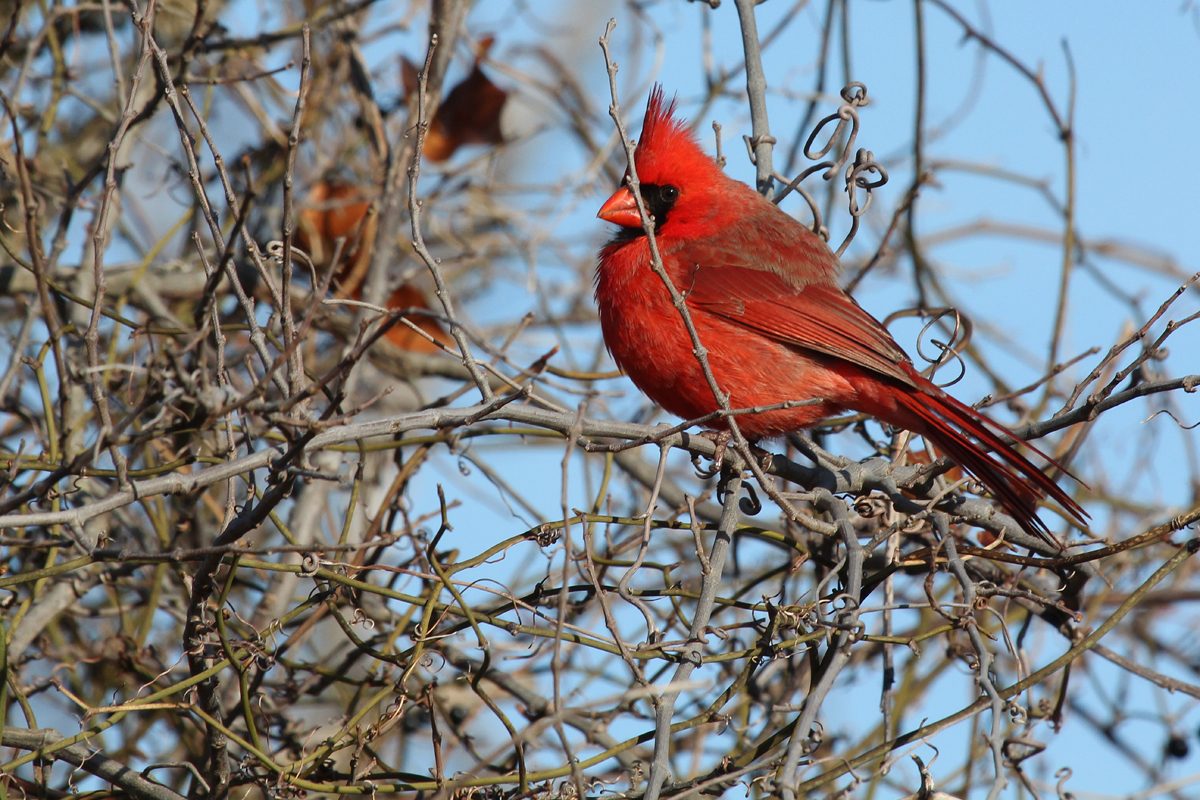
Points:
[(670, 193)]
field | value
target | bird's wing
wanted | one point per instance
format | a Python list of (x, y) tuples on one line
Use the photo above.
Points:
[(817, 316)]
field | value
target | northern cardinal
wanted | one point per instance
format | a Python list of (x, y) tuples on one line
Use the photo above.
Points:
[(762, 291)]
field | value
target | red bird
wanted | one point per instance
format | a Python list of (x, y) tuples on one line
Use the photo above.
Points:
[(762, 291)]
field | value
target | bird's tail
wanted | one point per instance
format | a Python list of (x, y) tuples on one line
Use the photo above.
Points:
[(966, 436)]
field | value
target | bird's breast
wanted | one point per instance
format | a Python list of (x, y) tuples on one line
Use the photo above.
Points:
[(642, 329)]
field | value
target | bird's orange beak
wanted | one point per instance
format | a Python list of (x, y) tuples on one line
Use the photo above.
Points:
[(621, 208)]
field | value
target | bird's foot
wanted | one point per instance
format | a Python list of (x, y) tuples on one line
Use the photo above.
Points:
[(720, 440), (765, 458)]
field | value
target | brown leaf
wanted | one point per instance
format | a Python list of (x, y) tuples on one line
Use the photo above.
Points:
[(338, 210), (404, 337), (469, 114), (341, 210)]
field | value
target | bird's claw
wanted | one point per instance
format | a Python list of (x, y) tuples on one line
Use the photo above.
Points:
[(766, 459), (720, 440)]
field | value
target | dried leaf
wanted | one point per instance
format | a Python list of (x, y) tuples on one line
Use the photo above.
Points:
[(469, 114), (340, 210)]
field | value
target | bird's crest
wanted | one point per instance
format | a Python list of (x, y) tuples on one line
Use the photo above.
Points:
[(667, 145), (659, 125)]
